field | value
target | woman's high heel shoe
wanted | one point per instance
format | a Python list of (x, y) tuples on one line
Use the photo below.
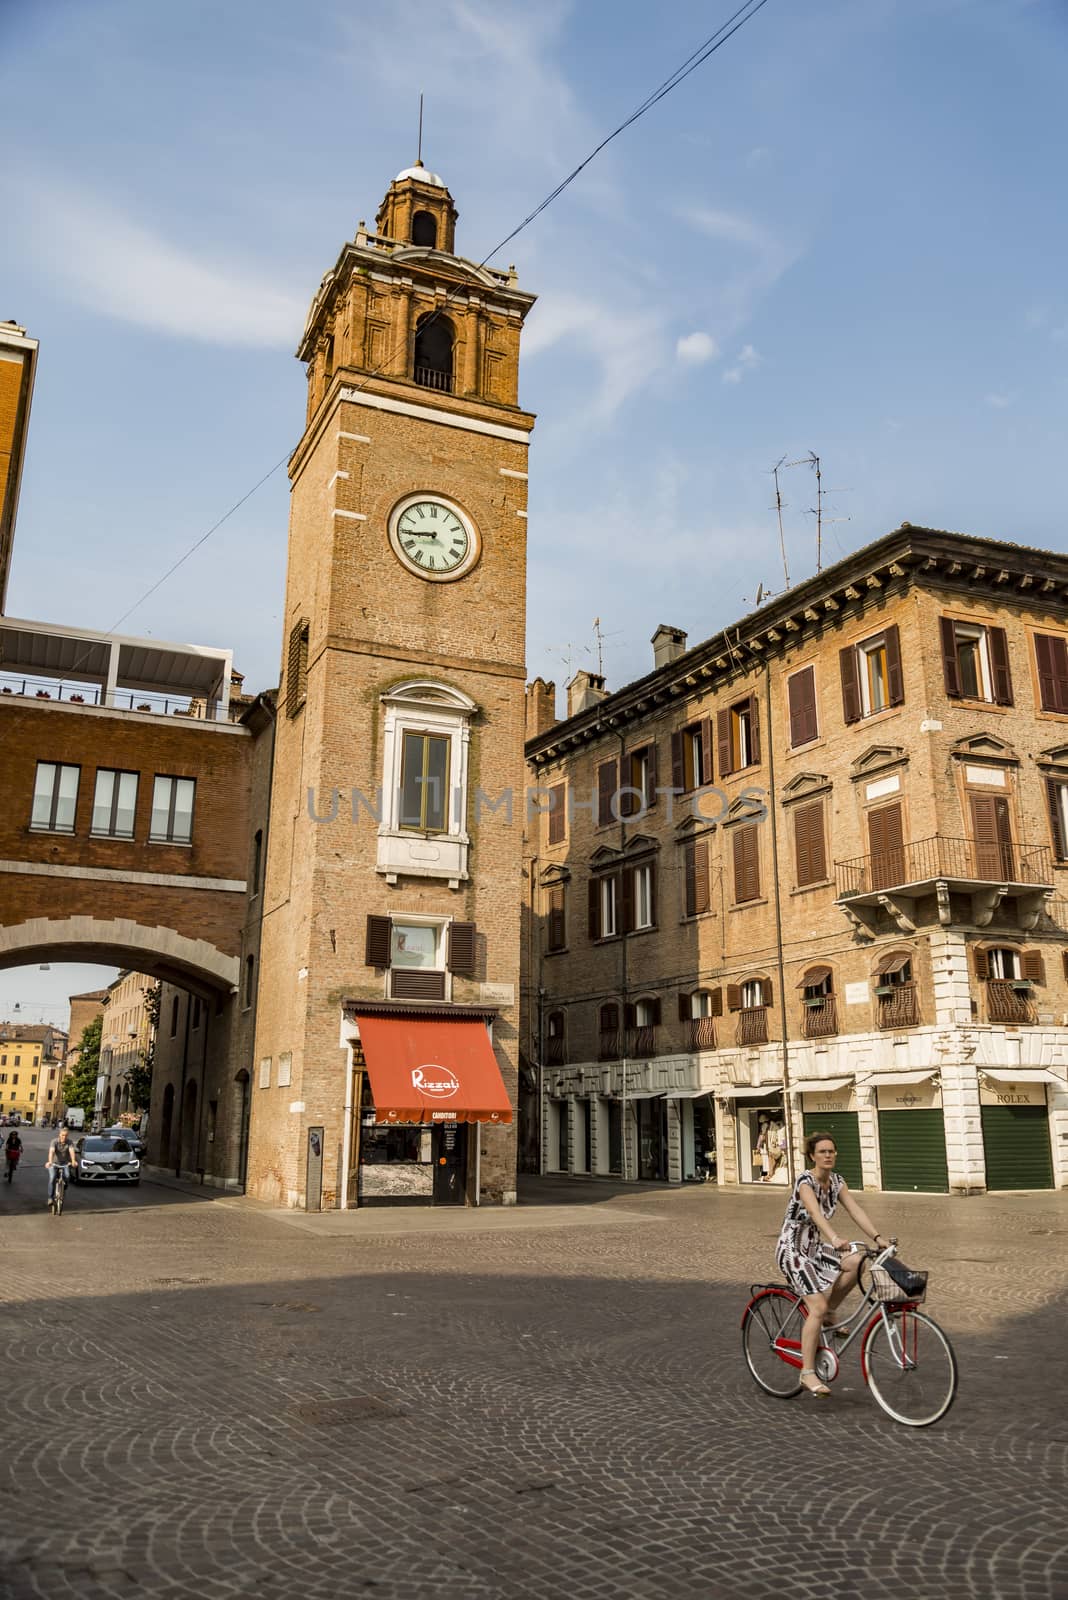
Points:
[(818, 1390)]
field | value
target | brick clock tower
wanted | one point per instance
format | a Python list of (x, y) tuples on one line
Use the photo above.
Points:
[(387, 1012)]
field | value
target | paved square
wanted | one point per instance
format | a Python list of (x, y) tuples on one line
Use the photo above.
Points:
[(205, 1398)]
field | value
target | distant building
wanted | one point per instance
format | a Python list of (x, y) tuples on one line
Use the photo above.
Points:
[(31, 1068), (126, 1040)]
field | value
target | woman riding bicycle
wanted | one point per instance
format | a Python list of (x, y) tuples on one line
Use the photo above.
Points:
[(13, 1151), (809, 1252)]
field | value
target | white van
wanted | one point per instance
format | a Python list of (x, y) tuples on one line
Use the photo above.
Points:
[(75, 1117)]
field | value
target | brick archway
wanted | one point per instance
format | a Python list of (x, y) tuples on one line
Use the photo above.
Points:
[(118, 941)]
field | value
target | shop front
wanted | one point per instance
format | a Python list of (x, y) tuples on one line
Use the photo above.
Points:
[(759, 1131), (697, 1133), (1016, 1135), (912, 1133), (429, 1082), (830, 1107)]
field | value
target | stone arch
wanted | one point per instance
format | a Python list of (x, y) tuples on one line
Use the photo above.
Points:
[(118, 941)]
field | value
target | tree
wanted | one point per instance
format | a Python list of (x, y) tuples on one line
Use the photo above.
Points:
[(139, 1077), (79, 1086)]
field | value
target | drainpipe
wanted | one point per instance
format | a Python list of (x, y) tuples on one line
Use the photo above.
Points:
[(786, 1106)]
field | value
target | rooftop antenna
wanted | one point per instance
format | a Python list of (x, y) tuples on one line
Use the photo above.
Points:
[(778, 508), (597, 634), (419, 151), (813, 460)]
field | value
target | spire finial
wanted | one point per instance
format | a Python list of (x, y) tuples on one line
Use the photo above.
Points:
[(419, 151)]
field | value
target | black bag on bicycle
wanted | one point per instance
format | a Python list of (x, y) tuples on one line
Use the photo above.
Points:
[(912, 1284)]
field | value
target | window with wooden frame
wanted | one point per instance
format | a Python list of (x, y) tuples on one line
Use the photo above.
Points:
[(297, 667), (609, 1039), (1051, 659), (623, 900), (556, 919), (810, 847), (1057, 804), (555, 1039), (1007, 976), (417, 952), (818, 1008), (738, 736), (975, 662), (557, 812), (691, 756), (749, 994), (602, 906), (746, 848), (642, 895), (697, 889), (698, 1011), (801, 700), (993, 853), (607, 789), (640, 781), (872, 679), (886, 844)]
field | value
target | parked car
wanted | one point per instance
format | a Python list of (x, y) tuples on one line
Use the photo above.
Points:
[(102, 1160), (132, 1137), (4, 1119)]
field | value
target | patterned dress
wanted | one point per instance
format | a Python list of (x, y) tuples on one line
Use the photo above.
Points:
[(805, 1259)]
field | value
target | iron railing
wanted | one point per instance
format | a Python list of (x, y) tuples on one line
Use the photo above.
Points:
[(820, 1018), (942, 857), (619, 1042), (432, 378), (752, 1026), (1006, 1003), (555, 1052), (900, 1008), (16, 686), (702, 1033)]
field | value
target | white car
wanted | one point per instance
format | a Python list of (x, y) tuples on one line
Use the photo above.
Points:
[(103, 1160)]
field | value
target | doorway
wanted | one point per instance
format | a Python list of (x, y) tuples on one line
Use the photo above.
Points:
[(450, 1164)]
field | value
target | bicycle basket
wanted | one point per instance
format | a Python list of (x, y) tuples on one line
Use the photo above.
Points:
[(894, 1281)]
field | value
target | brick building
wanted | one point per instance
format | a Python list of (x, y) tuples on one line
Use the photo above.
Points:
[(127, 1039), (387, 1032), (810, 873)]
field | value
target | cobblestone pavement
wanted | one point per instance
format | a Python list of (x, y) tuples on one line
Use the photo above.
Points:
[(205, 1398)]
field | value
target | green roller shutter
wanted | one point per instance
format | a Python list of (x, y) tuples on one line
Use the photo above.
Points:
[(1016, 1141), (912, 1149), (843, 1129)]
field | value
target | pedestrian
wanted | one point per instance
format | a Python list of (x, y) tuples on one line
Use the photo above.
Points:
[(810, 1250), (13, 1152)]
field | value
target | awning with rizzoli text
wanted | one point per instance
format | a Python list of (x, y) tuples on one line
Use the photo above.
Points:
[(429, 1069)]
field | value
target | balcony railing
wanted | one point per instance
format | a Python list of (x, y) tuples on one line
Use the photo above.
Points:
[(702, 1033), (555, 1052), (431, 378), (900, 1008), (752, 1026), (1006, 1003), (629, 1042), (941, 857), (820, 1018)]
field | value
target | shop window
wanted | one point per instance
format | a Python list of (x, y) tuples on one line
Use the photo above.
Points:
[(172, 810), (114, 804), (738, 736), (555, 1040), (801, 695), (697, 890), (818, 1006), (691, 756), (55, 797), (871, 673), (975, 662)]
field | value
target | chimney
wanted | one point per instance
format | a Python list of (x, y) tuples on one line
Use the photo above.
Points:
[(584, 690), (541, 707), (668, 645)]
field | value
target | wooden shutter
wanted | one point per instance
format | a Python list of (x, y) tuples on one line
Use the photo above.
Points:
[(850, 670), (652, 894), (998, 645), (992, 836), (707, 769), (1053, 799), (625, 890), (809, 849), (557, 918), (981, 962), (379, 942), (629, 1015), (767, 993), (461, 960), (802, 696), (723, 741), (606, 789), (746, 865), (685, 1006), (654, 773), (609, 1018), (655, 1004), (753, 732), (895, 680), (885, 840), (734, 997), (716, 1007), (297, 667), (678, 763), (695, 861), (1052, 657), (593, 924), (1064, 963), (950, 663), (409, 983), (1033, 966), (557, 813)]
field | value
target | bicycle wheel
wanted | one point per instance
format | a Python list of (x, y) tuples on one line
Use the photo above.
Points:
[(60, 1187), (911, 1369), (765, 1318)]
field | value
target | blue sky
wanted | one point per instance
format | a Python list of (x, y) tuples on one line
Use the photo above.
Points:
[(845, 233)]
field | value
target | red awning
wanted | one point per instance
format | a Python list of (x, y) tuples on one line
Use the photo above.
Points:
[(429, 1069)]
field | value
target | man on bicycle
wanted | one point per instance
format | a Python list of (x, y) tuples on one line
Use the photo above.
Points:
[(60, 1159)]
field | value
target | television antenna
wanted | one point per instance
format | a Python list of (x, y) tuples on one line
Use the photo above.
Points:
[(778, 508)]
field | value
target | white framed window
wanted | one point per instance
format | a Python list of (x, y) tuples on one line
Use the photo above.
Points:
[(608, 907), (114, 804), (645, 1014), (418, 955), (422, 830), (55, 797), (644, 916), (752, 994), (700, 1004), (874, 675), (973, 661), (172, 810), (1004, 963)]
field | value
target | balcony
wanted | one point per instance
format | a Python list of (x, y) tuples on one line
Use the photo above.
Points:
[(900, 1008), (556, 1052), (752, 1026), (431, 378), (819, 1017), (940, 867), (629, 1042), (701, 1033), (1009, 1001)]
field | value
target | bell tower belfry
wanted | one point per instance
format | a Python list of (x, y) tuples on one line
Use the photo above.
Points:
[(394, 860)]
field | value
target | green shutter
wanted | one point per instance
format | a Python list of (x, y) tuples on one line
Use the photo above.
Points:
[(1016, 1142), (845, 1131), (912, 1149)]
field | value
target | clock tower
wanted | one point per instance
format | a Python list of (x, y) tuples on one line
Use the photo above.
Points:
[(387, 1010)]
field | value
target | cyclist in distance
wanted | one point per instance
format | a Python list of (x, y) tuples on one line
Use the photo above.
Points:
[(809, 1252), (60, 1158), (12, 1150)]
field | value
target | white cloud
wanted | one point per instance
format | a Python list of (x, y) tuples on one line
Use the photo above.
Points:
[(627, 347), (999, 401), (697, 348), (754, 257), (732, 375), (745, 361), (116, 265)]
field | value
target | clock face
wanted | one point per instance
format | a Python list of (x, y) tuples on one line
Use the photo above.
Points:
[(433, 537)]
